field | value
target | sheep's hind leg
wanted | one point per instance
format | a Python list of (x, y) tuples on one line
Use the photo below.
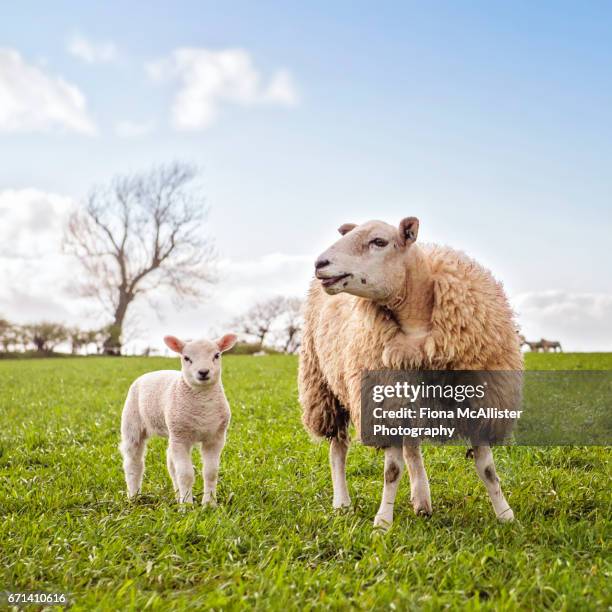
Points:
[(338, 449), (394, 466), (483, 457), (420, 495)]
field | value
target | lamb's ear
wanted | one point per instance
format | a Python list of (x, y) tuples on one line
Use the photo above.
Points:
[(225, 343), (346, 228), (174, 344), (408, 230)]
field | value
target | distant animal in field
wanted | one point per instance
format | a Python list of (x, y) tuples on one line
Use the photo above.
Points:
[(534, 346), (550, 345)]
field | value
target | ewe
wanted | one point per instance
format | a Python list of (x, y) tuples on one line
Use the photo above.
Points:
[(188, 407), (380, 301)]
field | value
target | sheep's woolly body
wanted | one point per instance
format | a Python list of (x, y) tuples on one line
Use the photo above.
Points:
[(472, 328)]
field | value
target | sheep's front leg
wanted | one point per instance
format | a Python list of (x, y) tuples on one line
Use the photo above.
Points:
[(394, 466), (483, 457), (338, 449), (211, 457), (420, 495), (133, 464), (180, 454)]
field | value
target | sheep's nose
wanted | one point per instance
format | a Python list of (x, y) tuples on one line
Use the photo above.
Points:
[(203, 373), (321, 263)]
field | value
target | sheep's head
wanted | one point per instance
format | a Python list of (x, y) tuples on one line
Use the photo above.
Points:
[(201, 359), (369, 260)]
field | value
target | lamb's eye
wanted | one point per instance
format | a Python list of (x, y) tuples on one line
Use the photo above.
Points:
[(217, 355), (187, 360), (379, 242)]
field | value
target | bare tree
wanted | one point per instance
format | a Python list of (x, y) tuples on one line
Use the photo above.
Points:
[(292, 321), (257, 322), (141, 232)]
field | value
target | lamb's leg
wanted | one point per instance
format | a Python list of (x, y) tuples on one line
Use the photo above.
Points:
[(181, 458), (419, 483), (394, 466), (211, 456), (172, 472), (133, 464), (485, 467), (338, 450)]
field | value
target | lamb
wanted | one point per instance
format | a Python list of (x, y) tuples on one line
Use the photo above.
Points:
[(381, 301), (188, 407)]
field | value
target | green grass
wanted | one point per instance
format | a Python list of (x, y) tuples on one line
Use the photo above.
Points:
[(274, 542)]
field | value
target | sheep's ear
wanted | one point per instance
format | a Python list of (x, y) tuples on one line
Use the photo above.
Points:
[(408, 230), (225, 343), (174, 344), (346, 228)]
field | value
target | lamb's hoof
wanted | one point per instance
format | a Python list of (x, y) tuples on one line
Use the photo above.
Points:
[(342, 505), (185, 506), (383, 522), (507, 516), (209, 503)]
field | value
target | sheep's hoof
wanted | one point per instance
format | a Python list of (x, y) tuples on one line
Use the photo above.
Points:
[(422, 507), (383, 522), (507, 516), (423, 511), (209, 503)]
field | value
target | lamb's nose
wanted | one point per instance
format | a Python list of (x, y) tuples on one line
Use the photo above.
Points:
[(321, 263), (203, 373)]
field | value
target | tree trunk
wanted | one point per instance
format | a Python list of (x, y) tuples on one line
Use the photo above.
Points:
[(112, 344)]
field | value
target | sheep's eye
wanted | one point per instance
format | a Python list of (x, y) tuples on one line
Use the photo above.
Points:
[(379, 242), (187, 360), (217, 355)]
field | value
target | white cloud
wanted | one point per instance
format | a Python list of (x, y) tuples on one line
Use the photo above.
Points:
[(580, 321), (31, 100), (209, 79), (31, 222), (133, 129), (33, 267), (91, 52)]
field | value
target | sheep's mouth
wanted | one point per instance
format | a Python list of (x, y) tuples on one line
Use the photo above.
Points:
[(328, 281)]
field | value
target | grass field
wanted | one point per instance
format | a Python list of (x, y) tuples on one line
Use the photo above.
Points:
[(274, 542)]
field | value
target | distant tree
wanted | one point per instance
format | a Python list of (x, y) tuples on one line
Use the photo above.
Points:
[(7, 335), (141, 232), (77, 338), (258, 320), (45, 336), (21, 337), (291, 321)]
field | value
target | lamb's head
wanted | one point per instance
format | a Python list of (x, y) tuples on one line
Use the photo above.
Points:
[(369, 260), (201, 359)]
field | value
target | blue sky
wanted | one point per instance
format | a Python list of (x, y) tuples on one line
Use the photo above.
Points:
[(493, 124)]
